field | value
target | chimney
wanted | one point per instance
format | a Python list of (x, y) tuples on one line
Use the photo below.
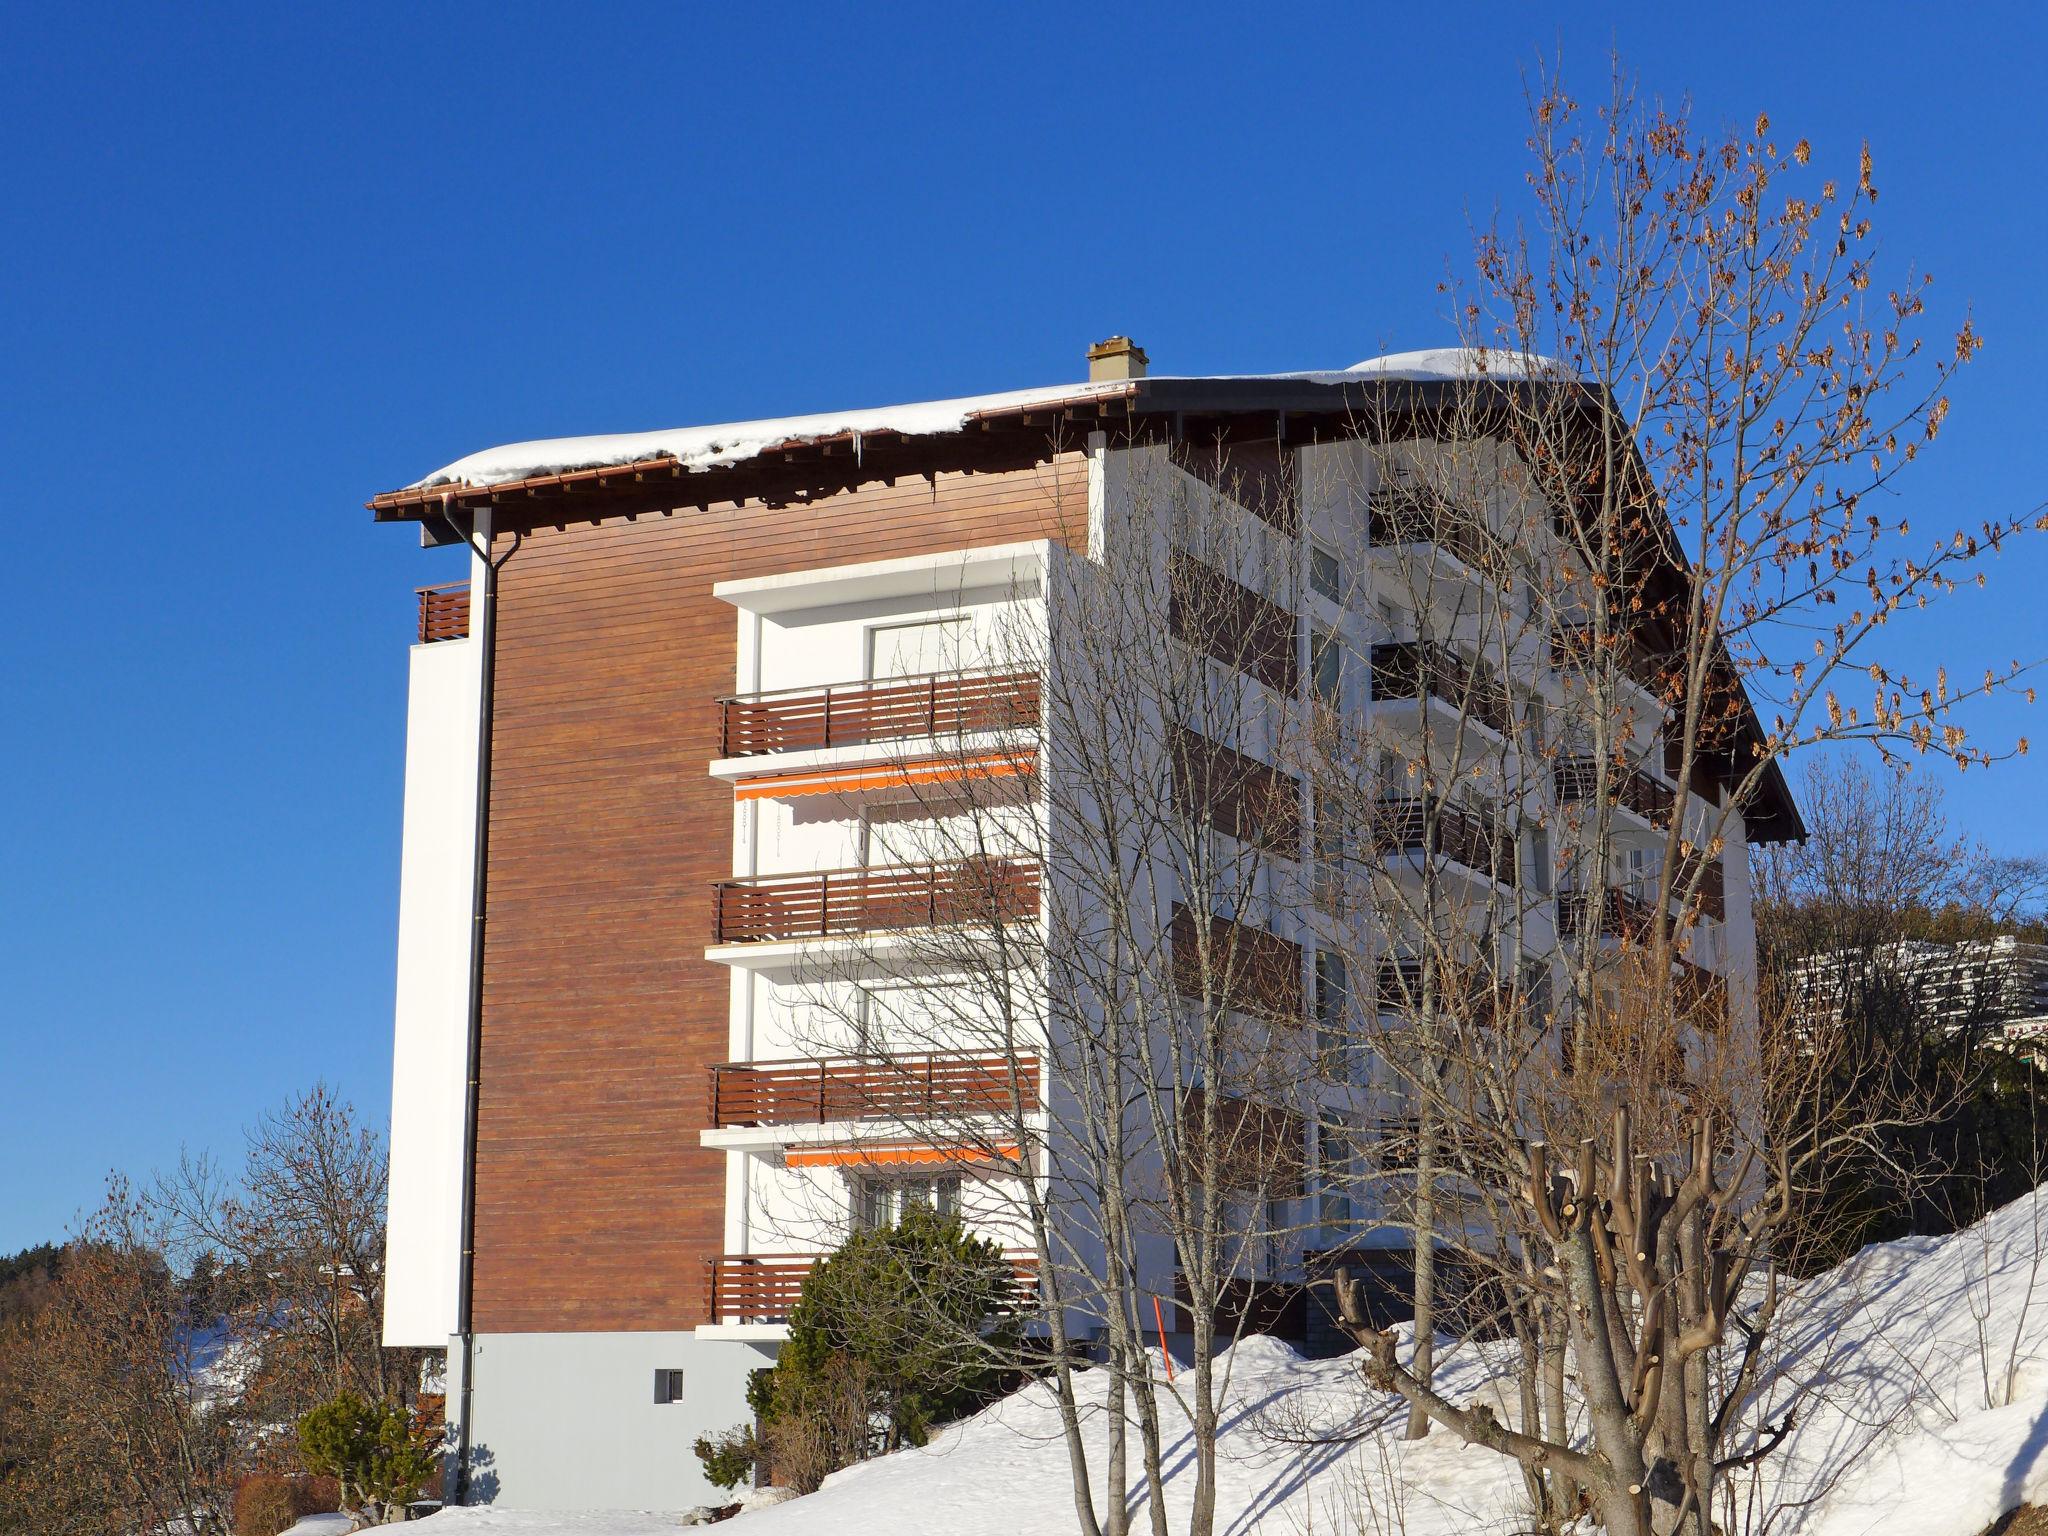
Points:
[(1117, 358)]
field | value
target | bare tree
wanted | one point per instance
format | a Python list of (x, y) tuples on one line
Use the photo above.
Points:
[(128, 1412), (299, 1230), (1644, 499)]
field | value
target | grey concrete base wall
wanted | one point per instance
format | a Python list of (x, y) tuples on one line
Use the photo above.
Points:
[(570, 1420)]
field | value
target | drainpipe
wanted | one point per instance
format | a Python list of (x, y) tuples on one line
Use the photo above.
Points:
[(479, 892)]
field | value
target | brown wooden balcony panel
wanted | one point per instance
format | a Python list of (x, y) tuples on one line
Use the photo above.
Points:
[(917, 1087), (1459, 835), (1276, 1308), (1621, 915), (885, 709), (1258, 476), (1249, 969), (1224, 619), (1408, 669), (444, 612), (837, 902), (1250, 800), (1650, 798), (764, 1288), (1408, 516)]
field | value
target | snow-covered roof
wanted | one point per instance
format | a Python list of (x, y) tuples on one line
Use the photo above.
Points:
[(733, 442), (717, 446)]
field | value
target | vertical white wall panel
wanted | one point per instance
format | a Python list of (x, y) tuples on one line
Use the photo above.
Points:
[(431, 1031)]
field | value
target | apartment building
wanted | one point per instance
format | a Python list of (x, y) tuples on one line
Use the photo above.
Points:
[(740, 740), (1995, 987)]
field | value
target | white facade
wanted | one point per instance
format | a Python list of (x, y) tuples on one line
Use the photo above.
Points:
[(797, 1189), (430, 1048)]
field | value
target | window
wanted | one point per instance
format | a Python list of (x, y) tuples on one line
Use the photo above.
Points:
[(1325, 575), (1640, 869), (913, 649), (1539, 860), (1338, 1201), (1333, 1043), (1536, 996), (668, 1386), (1326, 667), (881, 1202)]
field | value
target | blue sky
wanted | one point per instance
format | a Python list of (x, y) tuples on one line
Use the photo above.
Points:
[(261, 263)]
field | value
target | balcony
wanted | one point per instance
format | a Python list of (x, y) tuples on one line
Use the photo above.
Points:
[(1632, 789), (1575, 649), (883, 709), (838, 903), (1456, 834), (807, 1092), (763, 1288), (1402, 515), (444, 612), (1621, 914), (1409, 669), (1479, 993)]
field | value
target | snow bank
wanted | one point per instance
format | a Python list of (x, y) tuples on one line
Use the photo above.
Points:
[(1461, 363), (1917, 1373)]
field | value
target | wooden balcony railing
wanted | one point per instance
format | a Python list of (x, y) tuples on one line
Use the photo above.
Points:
[(444, 612), (812, 1092), (1222, 618), (1475, 995), (884, 709), (1621, 915), (877, 899), (1573, 649), (1409, 669), (1410, 515), (1247, 969), (1462, 836), (1652, 799), (1712, 891), (763, 1288)]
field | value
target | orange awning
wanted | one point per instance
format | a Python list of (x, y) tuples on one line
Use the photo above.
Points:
[(932, 770), (891, 1154)]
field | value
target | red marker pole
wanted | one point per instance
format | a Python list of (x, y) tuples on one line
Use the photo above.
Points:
[(1159, 1317)]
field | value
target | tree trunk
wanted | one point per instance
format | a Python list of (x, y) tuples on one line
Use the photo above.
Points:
[(1425, 1262)]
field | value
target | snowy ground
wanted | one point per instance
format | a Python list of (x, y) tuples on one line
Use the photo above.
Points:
[(1918, 1374)]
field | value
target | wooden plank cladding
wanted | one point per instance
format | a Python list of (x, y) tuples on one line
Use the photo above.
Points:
[(1257, 474), (1484, 846), (1252, 802), (1634, 790), (595, 1204), (812, 1092), (1227, 620), (1248, 970), (1409, 669), (763, 1287), (885, 709), (873, 899), (444, 612), (1243, 1144)]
